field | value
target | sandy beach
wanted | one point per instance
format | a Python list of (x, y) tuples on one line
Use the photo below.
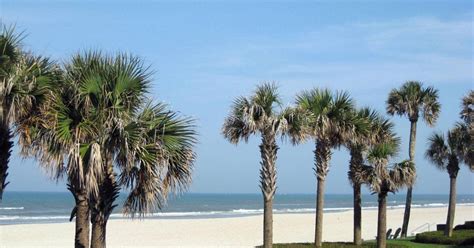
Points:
[(222, 232)]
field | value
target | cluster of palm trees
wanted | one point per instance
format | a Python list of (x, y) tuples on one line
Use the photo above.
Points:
[(446, 152), (332, 120), (89, 120)]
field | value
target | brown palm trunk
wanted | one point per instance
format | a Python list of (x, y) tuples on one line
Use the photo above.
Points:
[(357, 215), (5, 152), (406, 216), (82, 222), (382, 221), (322, 158), (355, 177), (268, 153), (98, 233), (319, 214), (103, 205), (448, 231), (268, 223)]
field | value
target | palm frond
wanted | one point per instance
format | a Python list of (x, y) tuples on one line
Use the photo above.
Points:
[(255, 114), (266, 97), (330, 115), (156, 157), (430, 105), (10, 49), (467, 109), (402, 175), (437, 152), (296, 120), (412, 99), (462, 142)]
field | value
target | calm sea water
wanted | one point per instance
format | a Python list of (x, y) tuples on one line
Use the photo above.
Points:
[(35, 207)]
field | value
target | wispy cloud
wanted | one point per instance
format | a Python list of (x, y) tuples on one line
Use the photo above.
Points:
[(372, 54)]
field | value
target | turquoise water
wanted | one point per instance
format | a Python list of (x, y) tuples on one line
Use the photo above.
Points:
[(36, 207)]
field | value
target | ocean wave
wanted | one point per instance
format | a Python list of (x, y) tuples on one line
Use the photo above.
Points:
[(222, 213), (16, 217), (465, 204), (175, 214), (247, 211), (182, 214), (435, 204), (12, 208)]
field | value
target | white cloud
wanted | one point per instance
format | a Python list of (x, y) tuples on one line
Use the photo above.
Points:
[(366, 55)]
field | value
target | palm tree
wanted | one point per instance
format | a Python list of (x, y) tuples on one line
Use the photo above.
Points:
[(446, 152), (97, 123), (358, 144), (66, 131), (330, 121), (383, 180), (413, 100), (115, 92), (258, 114), (147, 149), (25, 79)]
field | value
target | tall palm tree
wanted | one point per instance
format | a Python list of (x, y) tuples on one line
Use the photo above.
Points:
[(25, 79), (258, 114), (366, 123), (329, 122), (383, 180), (412, 100), (446, 152)]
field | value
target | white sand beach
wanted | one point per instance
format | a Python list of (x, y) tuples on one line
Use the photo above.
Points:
[(222, 232)]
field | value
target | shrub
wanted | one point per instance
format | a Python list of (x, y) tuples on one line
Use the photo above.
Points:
[(335, 245), (460, 237)]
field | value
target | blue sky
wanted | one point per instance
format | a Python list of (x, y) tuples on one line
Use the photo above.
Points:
[(205, 53)]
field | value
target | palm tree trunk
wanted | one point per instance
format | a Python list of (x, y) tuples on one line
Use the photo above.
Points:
[(357, 215), (319, 213), (268, 152), (6, 149), (268, 223), (355, 177), (448, 231), (98, 233), (82, 221), (322, 158), (103, 206), (406, 216), (382, 221)]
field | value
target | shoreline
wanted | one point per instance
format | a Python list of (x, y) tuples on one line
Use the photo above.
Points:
[(240, 231), (203, 215)]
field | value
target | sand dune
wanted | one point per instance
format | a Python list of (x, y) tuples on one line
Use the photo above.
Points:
[(222, 232)]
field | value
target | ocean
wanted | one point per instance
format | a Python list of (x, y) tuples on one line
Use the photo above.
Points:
[(44, 207)]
